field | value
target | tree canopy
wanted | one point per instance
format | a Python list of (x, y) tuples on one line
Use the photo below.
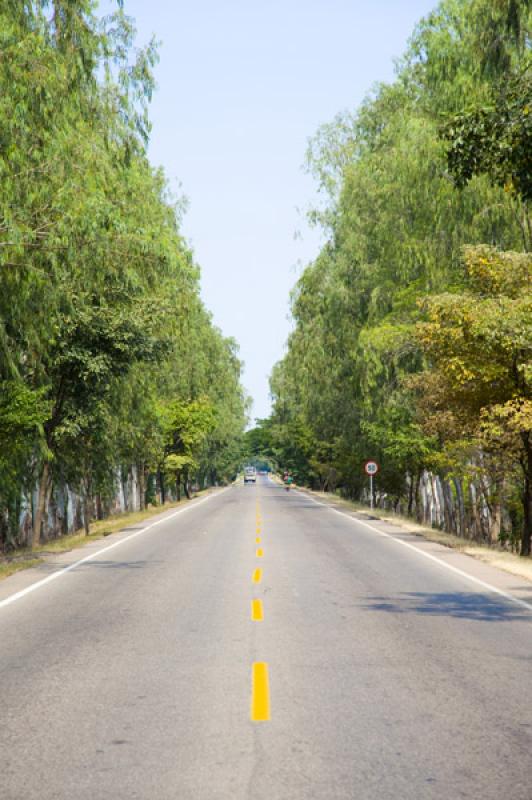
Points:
[(400, 333), (102, 329)]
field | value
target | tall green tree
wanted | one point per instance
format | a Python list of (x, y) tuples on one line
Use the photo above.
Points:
[(396, 225), (101, 322)]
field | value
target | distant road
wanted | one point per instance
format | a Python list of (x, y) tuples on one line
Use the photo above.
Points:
[(261, 646)]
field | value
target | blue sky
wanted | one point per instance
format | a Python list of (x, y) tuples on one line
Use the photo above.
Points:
[(242, 86)]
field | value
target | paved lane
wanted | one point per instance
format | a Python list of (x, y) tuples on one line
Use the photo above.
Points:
[(381, 674)]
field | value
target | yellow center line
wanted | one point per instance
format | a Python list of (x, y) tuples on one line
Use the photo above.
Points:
[(260, 552), (257, 539), (260, 693), (257, 613), (257, 575)]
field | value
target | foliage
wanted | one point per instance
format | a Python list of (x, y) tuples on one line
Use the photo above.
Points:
[(496, 140), (359, 379), (479, 349), (102, 328)]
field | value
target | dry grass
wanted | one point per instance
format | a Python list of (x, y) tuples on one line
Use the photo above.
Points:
[(502, 559), (8, 567), (24, 558)]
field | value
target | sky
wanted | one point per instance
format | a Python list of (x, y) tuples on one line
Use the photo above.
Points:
[(242, 85)]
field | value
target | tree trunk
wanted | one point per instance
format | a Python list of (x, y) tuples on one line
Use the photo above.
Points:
[(160, 488), (178, 487), (461, 526), (417, 494), (185, 486), (87, 498), (142, 486), (495, 512), (99, 507), (527, 495), (4, 529), (163, 488), (86, 515), (41, 504), (447, 506), (410, 495)]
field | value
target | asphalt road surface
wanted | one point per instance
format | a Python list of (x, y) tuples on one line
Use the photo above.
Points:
[(260, 645)]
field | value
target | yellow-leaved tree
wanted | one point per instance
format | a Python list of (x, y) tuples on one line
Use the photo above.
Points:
[(478, 386)]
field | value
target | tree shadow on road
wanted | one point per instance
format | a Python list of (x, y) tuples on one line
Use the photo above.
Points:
[(462, 605), (117, 564)]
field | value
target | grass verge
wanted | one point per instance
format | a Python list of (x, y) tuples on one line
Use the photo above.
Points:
[(24, 558), (8, 567), (502, 559)]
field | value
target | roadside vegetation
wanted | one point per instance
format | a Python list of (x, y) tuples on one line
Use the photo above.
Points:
[(16, 559), (412, 335), (113, 378)]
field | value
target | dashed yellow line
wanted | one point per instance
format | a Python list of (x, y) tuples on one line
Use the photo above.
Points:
[(257, 612), (260, 686), (260, 692)]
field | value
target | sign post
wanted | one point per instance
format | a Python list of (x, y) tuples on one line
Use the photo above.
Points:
[(371, 468)]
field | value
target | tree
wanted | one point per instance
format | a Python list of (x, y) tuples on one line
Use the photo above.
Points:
[(101, 320), (496, 141), (188, 425), (479, 347), (395, 227)]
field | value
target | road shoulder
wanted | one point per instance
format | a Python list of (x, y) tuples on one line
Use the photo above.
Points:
[(479, 571), (128, 526)]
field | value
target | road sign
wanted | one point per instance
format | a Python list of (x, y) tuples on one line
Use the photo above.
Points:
[(371, 468)]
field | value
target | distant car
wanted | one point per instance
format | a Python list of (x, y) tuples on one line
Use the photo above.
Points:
[(250, 475)]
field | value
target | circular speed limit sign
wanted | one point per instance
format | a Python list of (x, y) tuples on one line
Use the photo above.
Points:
[(371, 468)]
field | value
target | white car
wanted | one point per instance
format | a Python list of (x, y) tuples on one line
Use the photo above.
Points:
[(250, 475)]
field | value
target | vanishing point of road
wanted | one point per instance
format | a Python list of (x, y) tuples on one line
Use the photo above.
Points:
[(260, 645)]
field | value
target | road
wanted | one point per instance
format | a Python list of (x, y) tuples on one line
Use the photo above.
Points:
[(331, 659)]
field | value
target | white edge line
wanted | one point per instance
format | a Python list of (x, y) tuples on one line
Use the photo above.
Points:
[(457, 571), (37, 585)]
